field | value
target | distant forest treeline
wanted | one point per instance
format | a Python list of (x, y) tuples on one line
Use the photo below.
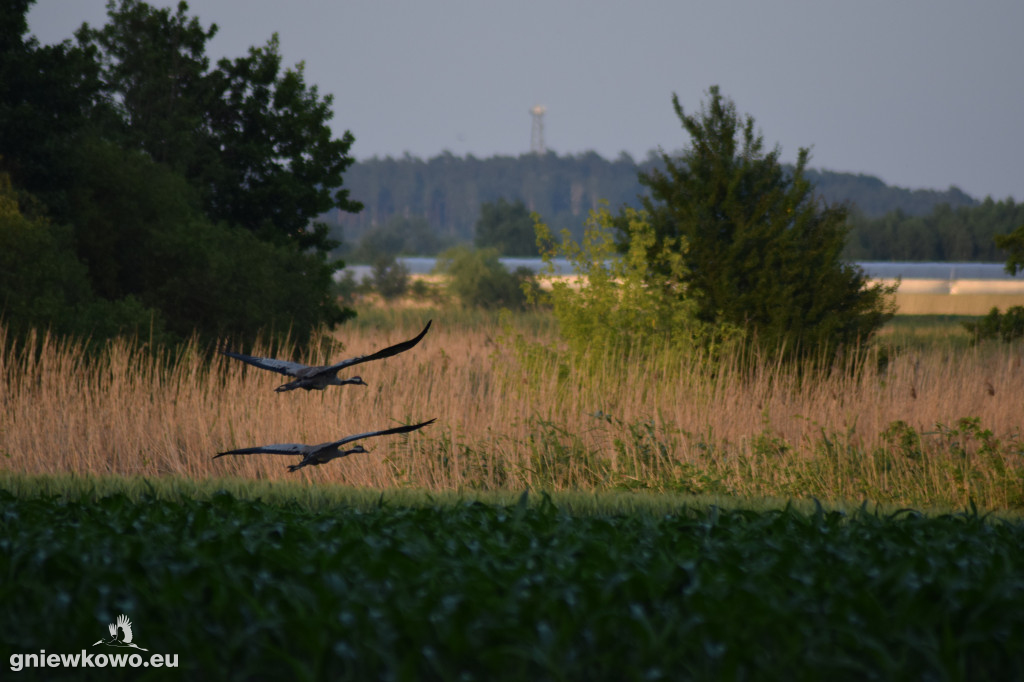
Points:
[(446, 193)]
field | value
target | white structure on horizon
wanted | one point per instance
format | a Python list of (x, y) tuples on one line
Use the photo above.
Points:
[(537, 132)]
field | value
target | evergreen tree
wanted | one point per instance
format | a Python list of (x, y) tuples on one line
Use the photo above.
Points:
[(764, 252), (1014, 244)]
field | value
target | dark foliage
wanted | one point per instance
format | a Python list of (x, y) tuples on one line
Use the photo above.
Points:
[(247, 590), (1013, 243), (251, 137), (507, 227), (44, 286), (447, 191), (480, 280), (964, 233), (763, 253), (1006, 327), (47, 95), (149, 192)]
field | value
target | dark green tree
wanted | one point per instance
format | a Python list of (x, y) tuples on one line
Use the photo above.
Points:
[(226, 282), (764, 253), (399, 236), (47, 93), (141, 235), (947, 233), (1006, 327), (390, 278), (116, 149), (507, 227), (251, 137), (479, 279), (44, 286), (1014, 244)]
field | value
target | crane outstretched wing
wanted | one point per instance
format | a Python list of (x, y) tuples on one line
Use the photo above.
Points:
[(379, 355), (383, 432), (285, 367), (276, 449)]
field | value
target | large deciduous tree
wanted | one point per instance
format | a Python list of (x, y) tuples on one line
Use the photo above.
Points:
[(763, 251), (251, 137), (46, 95), (141, 190)]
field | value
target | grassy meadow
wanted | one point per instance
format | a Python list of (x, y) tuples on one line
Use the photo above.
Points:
[(927, 421)]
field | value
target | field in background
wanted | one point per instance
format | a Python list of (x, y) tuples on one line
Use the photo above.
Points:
[(922, 424), (954, 304), (914, 297)]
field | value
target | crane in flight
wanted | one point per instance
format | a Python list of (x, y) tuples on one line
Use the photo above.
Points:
[(321, 376), (314, 455)]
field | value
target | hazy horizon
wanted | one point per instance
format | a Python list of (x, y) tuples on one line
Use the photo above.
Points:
[(921, 94)]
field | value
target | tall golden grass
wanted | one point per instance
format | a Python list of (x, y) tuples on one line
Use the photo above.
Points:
[(513, 411)]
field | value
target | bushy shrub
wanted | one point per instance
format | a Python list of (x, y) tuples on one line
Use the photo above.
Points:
[(390, 278), (633, 299), (1006, 326), (479, 279)]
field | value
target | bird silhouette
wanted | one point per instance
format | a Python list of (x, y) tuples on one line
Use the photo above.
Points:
[(120, 634), (321, 376), (314, 455)]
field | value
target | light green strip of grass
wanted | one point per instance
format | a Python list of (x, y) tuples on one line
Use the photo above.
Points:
[(319, 497)]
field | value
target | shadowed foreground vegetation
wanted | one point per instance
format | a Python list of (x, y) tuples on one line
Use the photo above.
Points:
[(244, 589)]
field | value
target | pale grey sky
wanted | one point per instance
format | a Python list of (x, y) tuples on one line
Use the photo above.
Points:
[(921, 93)]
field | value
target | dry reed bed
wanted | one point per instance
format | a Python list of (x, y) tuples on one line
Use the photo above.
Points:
[(511, 414)]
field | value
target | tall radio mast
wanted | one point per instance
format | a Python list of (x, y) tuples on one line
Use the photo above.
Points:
[(537, 133)]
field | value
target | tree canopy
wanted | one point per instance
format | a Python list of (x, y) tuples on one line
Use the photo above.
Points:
[(946, 233), (1013, 243), (252, 137), (764, 253), (184, 195)]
